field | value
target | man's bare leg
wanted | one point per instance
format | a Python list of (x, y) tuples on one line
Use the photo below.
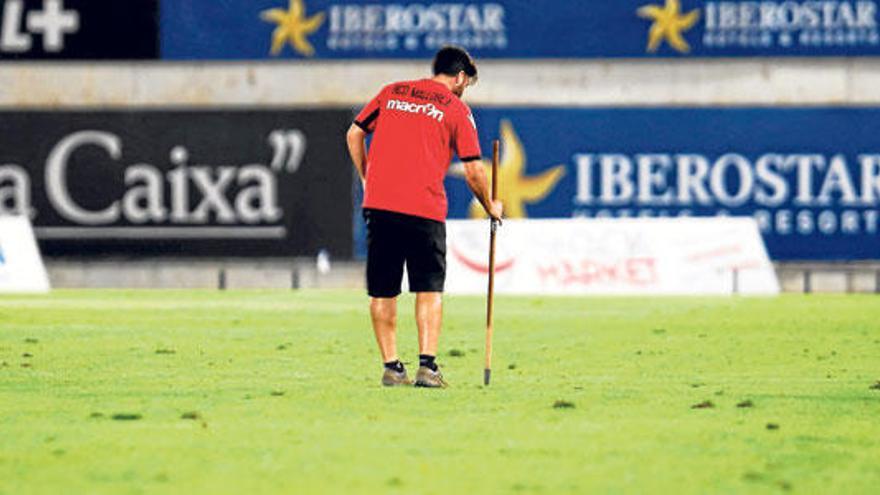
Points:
[(429, 318), (383, 311)]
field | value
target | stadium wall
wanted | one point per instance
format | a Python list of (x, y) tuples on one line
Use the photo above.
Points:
[(716, 82), (564, 83)]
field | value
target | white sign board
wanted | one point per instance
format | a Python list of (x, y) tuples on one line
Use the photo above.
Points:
[(611, 256), (21, 268)]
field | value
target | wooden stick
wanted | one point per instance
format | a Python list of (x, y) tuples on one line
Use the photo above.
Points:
[(487, 372)]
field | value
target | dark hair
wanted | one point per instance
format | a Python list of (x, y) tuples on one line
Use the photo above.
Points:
[(451, 60)]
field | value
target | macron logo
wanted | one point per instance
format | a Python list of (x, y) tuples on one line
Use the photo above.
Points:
[(427, 109)]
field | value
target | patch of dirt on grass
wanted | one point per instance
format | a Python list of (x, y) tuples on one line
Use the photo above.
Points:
[(126, 417), (166, 351), (757, 477), (746, 403), (706, 404), (563, 404), (753, 476), (456, 353)]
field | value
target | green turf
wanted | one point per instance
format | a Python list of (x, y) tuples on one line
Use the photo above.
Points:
[(284, 390)]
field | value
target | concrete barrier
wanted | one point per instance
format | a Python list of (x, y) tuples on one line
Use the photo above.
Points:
[(202, 274), (303, 274), (842, 277), (789, 81)]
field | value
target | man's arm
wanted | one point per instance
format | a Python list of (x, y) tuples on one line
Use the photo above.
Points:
[(356, 139), (476, 179)]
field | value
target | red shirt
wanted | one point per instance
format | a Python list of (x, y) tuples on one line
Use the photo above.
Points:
[(417, 126)]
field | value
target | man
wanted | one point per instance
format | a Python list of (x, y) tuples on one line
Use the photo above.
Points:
[(416, 127)]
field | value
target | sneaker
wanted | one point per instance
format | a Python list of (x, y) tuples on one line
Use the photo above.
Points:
[(392, 378), (426, 377)]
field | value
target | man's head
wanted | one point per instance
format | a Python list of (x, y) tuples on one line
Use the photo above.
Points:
[(455, 67)]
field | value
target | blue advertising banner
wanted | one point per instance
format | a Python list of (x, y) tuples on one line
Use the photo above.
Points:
[(811, 177), (346, 29)]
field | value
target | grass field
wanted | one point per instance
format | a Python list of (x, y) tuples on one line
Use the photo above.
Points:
[(257, 392)]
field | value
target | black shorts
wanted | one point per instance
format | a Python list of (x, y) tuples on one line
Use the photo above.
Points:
[(394, 239)]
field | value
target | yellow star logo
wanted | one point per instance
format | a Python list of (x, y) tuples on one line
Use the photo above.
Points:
[(668, 25), (293, 26), (516, 190)]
